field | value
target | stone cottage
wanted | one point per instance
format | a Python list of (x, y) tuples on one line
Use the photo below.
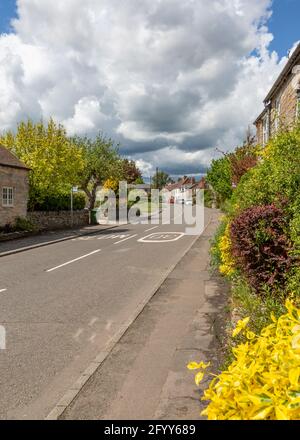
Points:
[(282, 101), (13, 187)]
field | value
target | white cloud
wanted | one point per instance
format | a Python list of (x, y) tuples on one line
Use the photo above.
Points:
[(87, 116), (169, 79)]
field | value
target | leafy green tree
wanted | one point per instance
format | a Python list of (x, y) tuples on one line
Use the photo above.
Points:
[(56, 163), (139, 181), (160, 179), (219, 176), (102, 162)]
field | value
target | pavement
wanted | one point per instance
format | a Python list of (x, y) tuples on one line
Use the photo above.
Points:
[(65, 304), (45, 238), (145, 376)]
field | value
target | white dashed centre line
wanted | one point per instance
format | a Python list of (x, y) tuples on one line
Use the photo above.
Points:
[(3, 290), (128, 238), (73, 261)]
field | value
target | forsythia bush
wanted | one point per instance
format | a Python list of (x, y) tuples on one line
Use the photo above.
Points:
[(112, 184), (263, 382), (227, 266)]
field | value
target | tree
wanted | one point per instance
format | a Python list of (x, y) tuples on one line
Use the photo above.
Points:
[(219, 176), (102, 162), (55, 161), (243, 159), (131, 173), (160, 179)]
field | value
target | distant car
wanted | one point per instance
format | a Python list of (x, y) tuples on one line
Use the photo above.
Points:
[(189, 202)]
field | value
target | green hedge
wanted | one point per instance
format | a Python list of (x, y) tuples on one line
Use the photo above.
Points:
[(60, 202)]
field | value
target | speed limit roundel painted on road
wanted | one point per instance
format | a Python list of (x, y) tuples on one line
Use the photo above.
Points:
[(162, 237)]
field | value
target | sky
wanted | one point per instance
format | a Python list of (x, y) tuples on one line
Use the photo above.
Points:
[(172, 81)]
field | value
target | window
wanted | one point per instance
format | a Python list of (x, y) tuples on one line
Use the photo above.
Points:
[(7, 196), (265, 128), (277, 114)]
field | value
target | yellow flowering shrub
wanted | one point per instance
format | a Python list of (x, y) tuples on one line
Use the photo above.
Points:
[(227, 267), (262, 383), (112, 184)]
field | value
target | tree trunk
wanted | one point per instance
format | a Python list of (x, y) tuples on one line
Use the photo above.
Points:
[(91, 195)]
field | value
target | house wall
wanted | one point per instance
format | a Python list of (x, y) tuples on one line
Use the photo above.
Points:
[(259, 132), (287, 97), (17, 179), (288, 102)]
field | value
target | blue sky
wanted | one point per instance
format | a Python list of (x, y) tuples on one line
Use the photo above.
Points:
[(7, 12), (284, 25)]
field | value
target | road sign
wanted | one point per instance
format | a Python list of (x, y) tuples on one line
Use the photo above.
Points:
[(75, 189)]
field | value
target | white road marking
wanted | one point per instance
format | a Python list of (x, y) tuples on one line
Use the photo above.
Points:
[(93, 321), (113, 236), (128, 238), (3, 290), (78, 333), (108, 325), (93, 337), (161, 237), (151, 229), (73, 261)]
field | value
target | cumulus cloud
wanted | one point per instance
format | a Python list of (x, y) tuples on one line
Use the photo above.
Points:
[(168, 79)]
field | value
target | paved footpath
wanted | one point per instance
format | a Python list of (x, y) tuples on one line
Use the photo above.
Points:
[(50, 236), (145, 375)]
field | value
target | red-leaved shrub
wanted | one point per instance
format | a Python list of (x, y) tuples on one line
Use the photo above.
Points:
[(260, 246)]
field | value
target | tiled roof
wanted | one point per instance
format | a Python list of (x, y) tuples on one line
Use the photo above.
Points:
[(286, 70), (187, 182), (9, 160)]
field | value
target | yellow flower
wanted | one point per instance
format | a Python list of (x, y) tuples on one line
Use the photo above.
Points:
[(240, 326), (198, 366), (228, 265), (263, 381), (198, 378), (250, 335)]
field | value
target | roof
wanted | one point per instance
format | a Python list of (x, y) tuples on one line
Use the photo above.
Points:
[(187, 182), (260, 116), (201, 184), (139, 186), (7, 159), (285, 72)]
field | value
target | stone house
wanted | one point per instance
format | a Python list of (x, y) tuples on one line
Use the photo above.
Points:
[(282, 102), (13, 187)]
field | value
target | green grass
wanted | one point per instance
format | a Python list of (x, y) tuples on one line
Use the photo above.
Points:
[(248, 303)]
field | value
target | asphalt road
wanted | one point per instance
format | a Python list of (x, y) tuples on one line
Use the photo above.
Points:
[(61, 304)]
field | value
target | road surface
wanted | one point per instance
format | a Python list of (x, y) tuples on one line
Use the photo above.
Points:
[(61, 304)]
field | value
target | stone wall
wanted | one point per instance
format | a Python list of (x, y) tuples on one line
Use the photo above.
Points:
[(287, 96), (58, 219), (283, 117), (17, 179), (259, 132)]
